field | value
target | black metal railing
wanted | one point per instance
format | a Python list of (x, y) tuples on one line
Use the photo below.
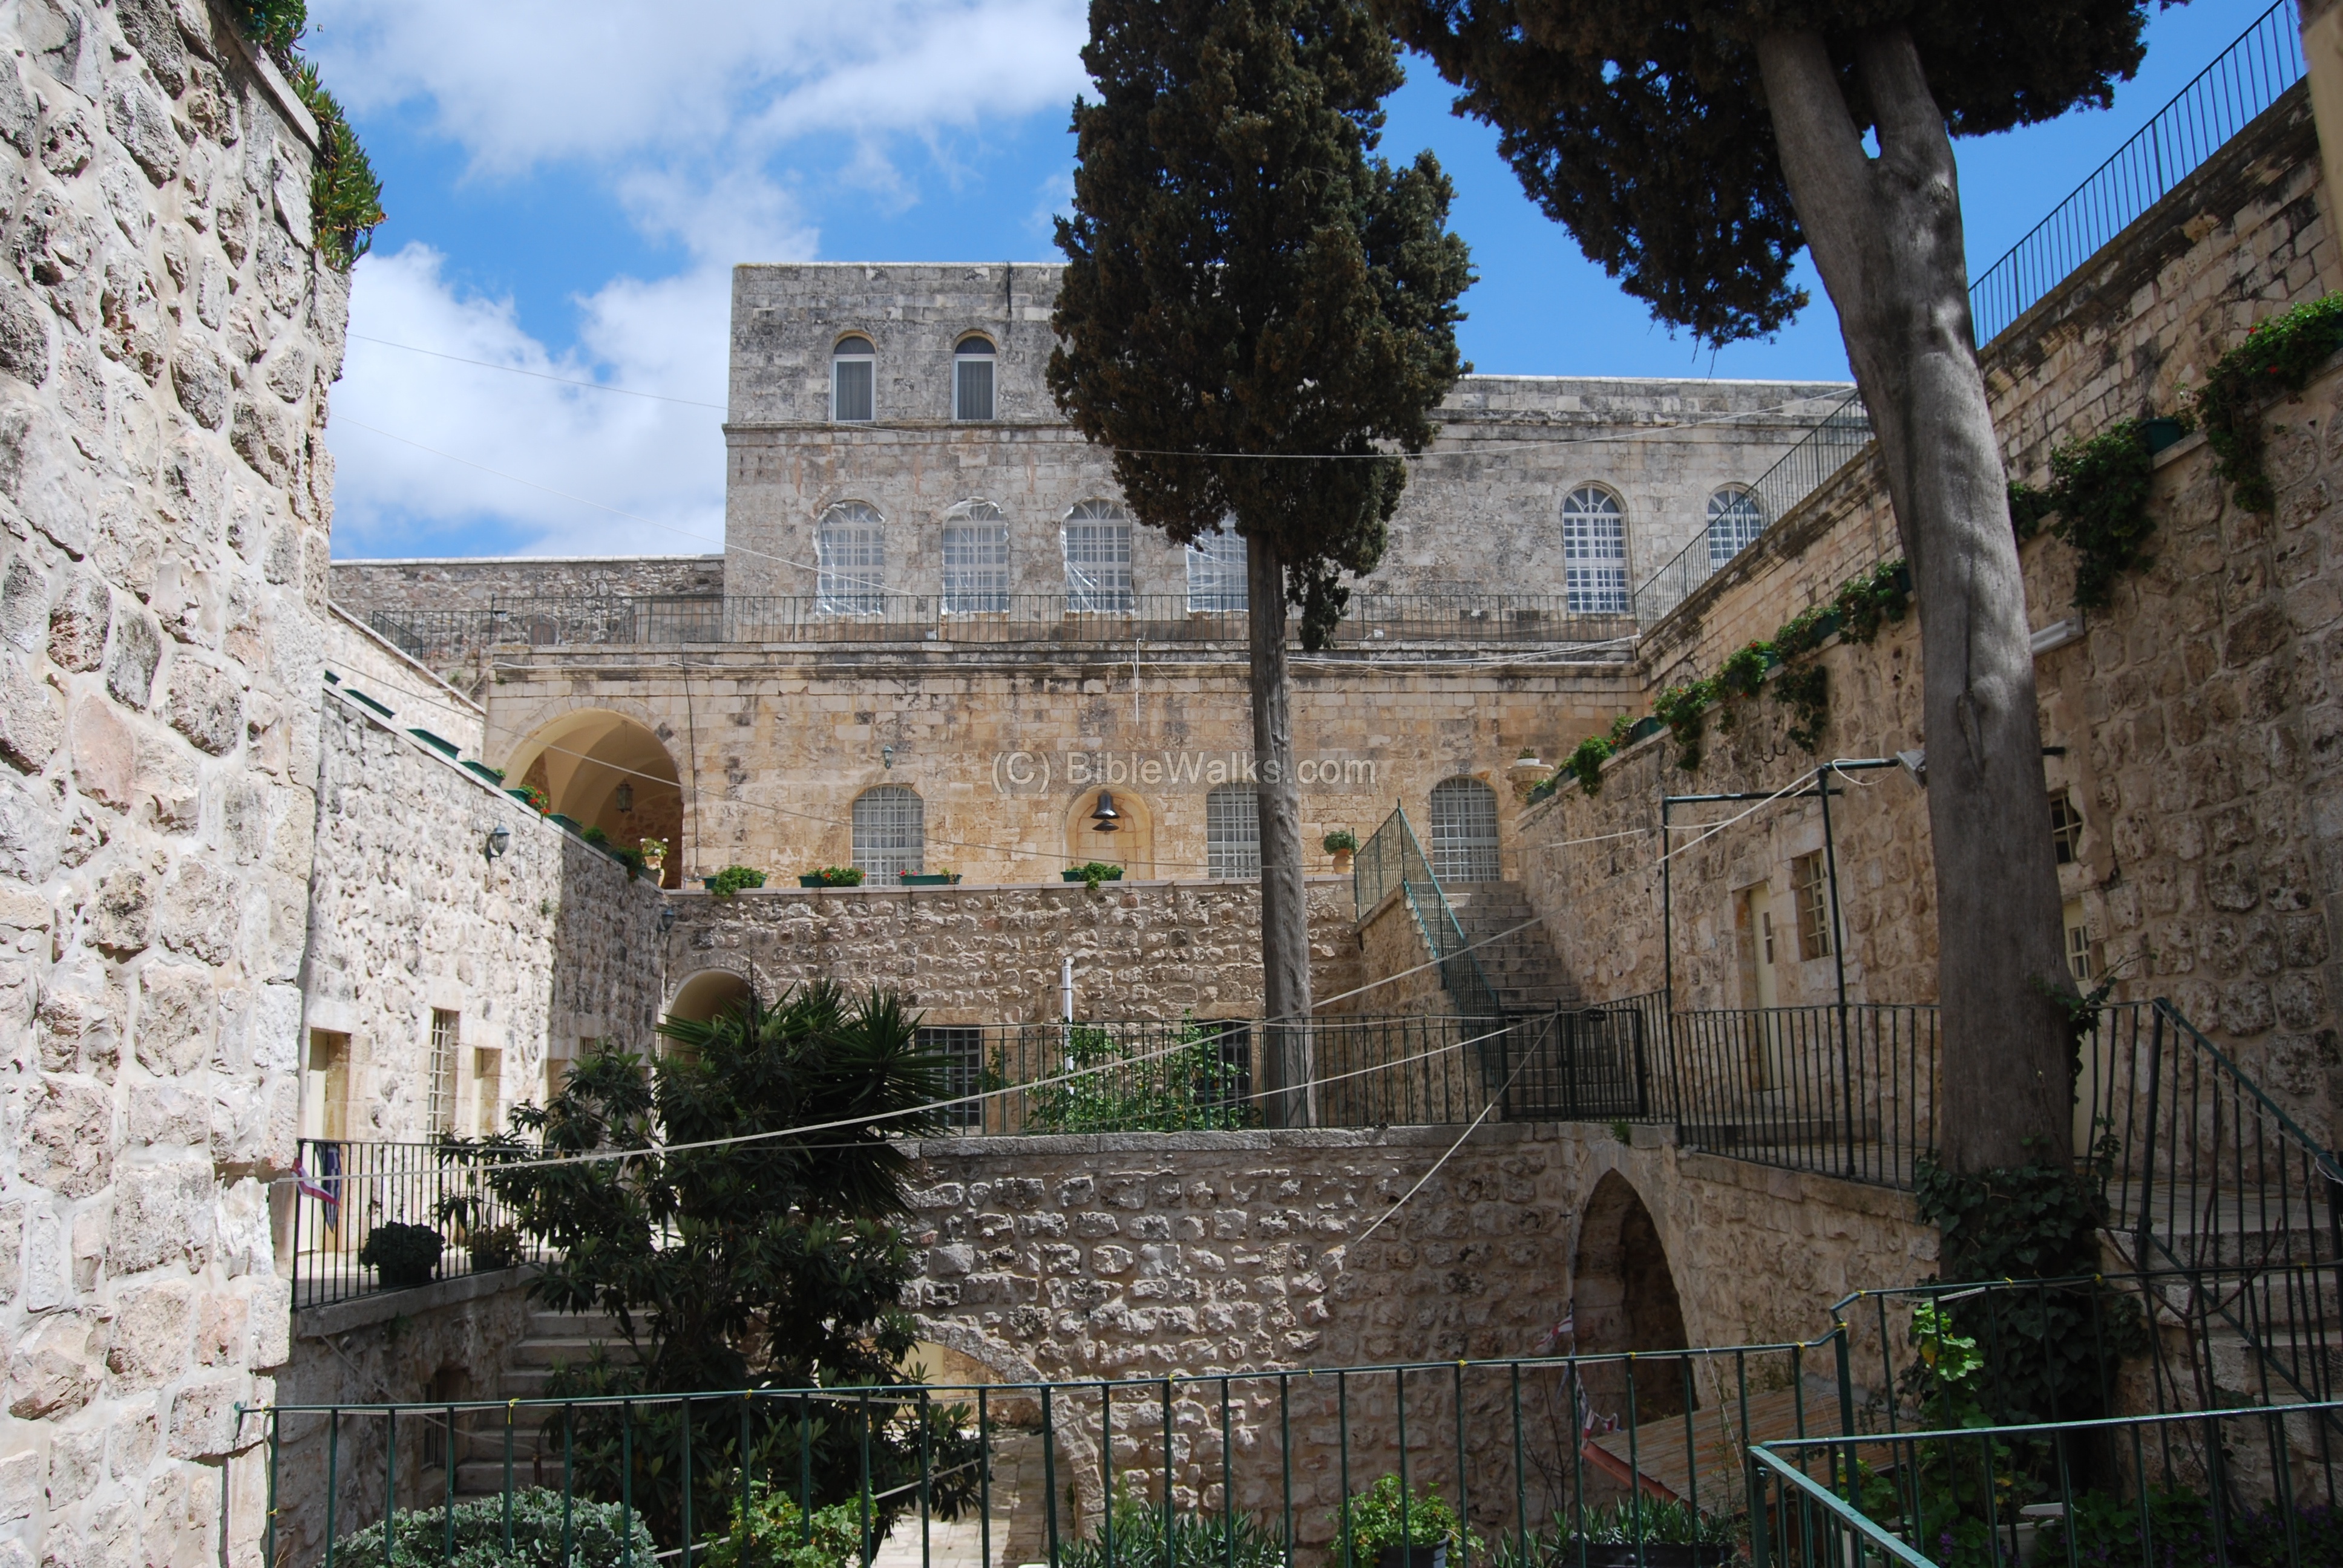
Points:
[(1373, 620), (2249, 77), (1393, 861), (347, 1190), (1840, 437)]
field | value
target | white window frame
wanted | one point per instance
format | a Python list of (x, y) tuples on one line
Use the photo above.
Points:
[(1734, 521), (1217, 581), (976, 574), (970, 351), (891, 831), (850, 546), (1232, 832), (1462, 807), (842, 357), (1594, 551), (1096, 540)]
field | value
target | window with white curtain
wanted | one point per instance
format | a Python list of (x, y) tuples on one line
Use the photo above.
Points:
[(973, 379), (1735, 522), (853, 377), (1098, 559), (1464, 831), (1594, 551), (891, 832), (850, 548), (976, 560), (1232, 832), (1216, 572)]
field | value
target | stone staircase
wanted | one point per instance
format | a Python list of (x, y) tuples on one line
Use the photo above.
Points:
[(1522, 967), (554, 1339)]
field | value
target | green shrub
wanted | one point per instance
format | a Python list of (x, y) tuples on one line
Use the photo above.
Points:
[(1338, 840), (496, 1247), (404, 1255), (1863, 604), (2276, 359), (777, 1535), (540, 1520), (1661, 1518), (1372, 1522), (1685, 710), (830, 877), (1128, 1087), (1093, 872), (732, 879), (1806, 691), (1198, 1540), (1585, 763)]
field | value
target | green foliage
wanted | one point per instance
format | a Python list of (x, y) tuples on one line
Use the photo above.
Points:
[(2098, 497), (1129, 1088), (1092, 872), (1804, 689), (1198, 1540), (1643, 127), (732, 879), (493, 1247), (1373, 1520), (1242, 276), (274, 27), (1685, 710), (2105, 1532), (344, 196), (534, 798), (1585, 763), (778, 1533), (596, 1534), (2276, 359), (1341, 838), (1863, 604), (404, 1255), (1739, 679), (1665, 1519)]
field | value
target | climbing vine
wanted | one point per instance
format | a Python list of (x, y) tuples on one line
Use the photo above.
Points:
[(345, 196), (2276, 359), (2098, 501)]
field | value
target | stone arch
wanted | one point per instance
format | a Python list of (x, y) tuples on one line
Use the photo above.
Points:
[(706, 994), (1132, 846), (604, 769), (1623, 1298)]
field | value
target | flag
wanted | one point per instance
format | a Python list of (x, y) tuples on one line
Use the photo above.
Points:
[(327, 1188)]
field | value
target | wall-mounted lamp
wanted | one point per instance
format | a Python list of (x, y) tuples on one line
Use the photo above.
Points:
[(667, 918), (1915, 763), (1106, 819), (886, 756), (625, 799), (498, 839)]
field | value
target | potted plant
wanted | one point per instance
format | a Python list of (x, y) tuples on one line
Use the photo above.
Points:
[(731, 879), (831, 877), (1342, 843), (1672, 1534), (1527, 773), (941, 877), (402, 1256), (1092, 872), (654, 854), (496, 1247), (535, 799), (1382, 1533)]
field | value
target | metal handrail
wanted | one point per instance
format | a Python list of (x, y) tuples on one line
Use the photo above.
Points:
[(1394, 858)]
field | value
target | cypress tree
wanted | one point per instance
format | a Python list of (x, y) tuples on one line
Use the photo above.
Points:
[(1693, 147), (1256, 312)]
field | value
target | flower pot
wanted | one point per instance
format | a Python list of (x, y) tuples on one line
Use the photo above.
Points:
[(814, 882), (2162, 432), (1655, 1554), (1413, 1556), (1343, 860), (1643, 727), (929, 879), (1078, 877)]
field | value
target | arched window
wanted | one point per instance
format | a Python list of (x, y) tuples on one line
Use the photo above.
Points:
[(1464, 831), (850, 556), (973, 379), (853, 373), (1733, 523), (1594, 551), (1098, 559), (891, 832), (1216, 572), (976, 560), (1232, 832)]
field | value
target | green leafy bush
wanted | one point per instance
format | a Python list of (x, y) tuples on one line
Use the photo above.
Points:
[(496, 1247), (345, 196), (1198, 1540), (1372, 1521), (1338, 840), (1863, 604), (1585, 763), (1092, 872), (779, 1535), (1129, 1088), (403, 1255), (541, 1522), (831, 877), (732, 879), (1806, 691), (535, 799), (1661, 1518), (2098, 495), (1685, 710), (2276, 359)]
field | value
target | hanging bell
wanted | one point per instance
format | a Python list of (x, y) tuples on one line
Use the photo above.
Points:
[(1106, 819)]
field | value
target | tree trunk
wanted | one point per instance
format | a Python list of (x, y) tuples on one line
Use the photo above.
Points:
[(1284, 905), (1886, 234)]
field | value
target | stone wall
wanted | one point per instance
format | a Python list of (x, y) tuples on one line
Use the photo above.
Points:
[(1145, 1255), (975, 954), (166, 341), (358, 657), (533, 953), (2191, 725), (363, 587)]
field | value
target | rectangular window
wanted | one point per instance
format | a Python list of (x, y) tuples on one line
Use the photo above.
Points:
[(1810, 885), (1216, 575), (963, 1054), (439, 1108), (488, 1090), (851, 401), (1232, 832), (972, 387), (2078, 941), (2066, 829), (851, 558), (976, 569), (1097, 569)]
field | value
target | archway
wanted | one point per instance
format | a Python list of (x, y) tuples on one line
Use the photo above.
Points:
[(1131, 846), (707, 994), (603, 770), (1623, 1298)]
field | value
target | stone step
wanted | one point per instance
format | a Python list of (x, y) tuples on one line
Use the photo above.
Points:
[(570, 1350)]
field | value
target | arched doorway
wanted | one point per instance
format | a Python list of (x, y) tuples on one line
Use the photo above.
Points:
[(1623, 1298), (707, 994), (603, 770)]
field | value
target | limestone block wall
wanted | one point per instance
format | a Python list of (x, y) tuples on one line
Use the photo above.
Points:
[(977, 954), (1140, 1256), (1008, 748), (360, 657), (363, 587), (534, 952), (166, 341)]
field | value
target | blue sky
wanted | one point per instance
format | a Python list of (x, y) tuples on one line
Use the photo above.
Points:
[(569, 183)]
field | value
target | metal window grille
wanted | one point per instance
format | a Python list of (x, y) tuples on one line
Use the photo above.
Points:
[(440, 1104), (1594, 551), (851, 562), (1216, 575), (1734, 521), (972, 381), (976, 560), (853, 374), (891, 831), (1228, 1083), (1464, 831), (1232, 832), (2065, 828), (1810, 886), (1098, 561), (962, 1050)]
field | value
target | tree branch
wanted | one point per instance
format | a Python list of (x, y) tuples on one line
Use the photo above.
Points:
[(1821, 152)]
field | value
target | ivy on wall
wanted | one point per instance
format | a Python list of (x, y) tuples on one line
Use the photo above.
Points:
[(2276, 359), (344, 196), (2097, 503)]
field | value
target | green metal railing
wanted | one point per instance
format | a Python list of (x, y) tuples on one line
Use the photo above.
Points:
[(1393, 861)]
